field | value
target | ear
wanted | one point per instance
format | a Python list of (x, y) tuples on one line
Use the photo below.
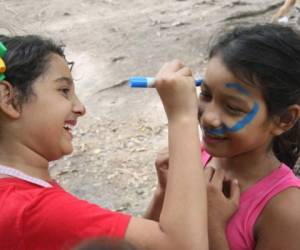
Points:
[(7, 100), (287, 120)]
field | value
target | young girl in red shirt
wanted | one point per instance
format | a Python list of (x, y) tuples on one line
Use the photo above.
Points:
[(38, 110)]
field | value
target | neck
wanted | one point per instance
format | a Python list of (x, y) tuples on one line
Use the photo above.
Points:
[(248, 168), (22, 158)]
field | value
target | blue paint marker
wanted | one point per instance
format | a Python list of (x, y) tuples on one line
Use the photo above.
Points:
[(149, 82)]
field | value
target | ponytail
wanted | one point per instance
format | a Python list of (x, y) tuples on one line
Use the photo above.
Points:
[(287, 146)]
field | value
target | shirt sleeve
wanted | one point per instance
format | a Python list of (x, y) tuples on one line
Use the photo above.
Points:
[(61, 219)]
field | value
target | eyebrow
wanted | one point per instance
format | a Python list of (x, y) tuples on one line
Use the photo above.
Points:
[(65, 79), (233, 97)]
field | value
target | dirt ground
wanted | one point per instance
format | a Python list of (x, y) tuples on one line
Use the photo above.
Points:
[(110, 40)]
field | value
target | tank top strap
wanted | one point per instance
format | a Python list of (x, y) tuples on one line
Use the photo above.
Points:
[(205, 157)]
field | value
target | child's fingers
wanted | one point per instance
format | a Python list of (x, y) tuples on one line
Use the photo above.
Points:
[(169, 67), (185, 71), (163, 152), (235, 192), (208, 173), (218, 178), (162, 160), (162, 164), (176, 65)]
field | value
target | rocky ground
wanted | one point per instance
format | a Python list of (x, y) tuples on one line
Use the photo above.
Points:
[(111, 40)]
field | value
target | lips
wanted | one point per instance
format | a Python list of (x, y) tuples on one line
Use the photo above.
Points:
[(69, 125), (211, 138), (215, 136)]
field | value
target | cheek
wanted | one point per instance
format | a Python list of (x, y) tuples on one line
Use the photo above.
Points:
[(254, 131), (246, 120)]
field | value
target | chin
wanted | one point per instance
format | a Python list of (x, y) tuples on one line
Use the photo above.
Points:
[(219, 153), (68, 151), (59, 155)]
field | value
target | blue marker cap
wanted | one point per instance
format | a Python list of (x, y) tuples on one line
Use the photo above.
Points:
[(148, 82), (140, 82), (198, 82)]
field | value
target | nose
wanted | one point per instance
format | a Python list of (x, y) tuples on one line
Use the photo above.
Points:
[(78, 107), (209, 117)]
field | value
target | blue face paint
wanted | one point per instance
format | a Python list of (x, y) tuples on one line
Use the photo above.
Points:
[(244, 121), (238, 87), (239, 125)]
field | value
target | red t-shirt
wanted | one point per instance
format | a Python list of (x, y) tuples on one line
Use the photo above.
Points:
[(33, 217)]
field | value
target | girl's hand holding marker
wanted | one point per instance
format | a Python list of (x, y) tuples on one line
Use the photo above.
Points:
[(176, 87)]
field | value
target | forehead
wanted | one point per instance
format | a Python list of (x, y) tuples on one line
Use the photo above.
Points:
[(219, 79), (57, 66)]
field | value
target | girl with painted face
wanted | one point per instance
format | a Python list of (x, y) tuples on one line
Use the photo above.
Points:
[(249, 109), (38, 109)]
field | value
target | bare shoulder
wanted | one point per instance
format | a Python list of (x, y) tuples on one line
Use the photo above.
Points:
[(279, 222), (283, 207), (287, 200)]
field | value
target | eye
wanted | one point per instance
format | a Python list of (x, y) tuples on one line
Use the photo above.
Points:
[(235, 110), (65, 91), (205, 95)]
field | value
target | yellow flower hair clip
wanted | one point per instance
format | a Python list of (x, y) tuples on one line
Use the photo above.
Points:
[(3, 51)]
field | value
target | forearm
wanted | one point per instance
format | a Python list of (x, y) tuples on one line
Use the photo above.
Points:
[(154, 209), (185, 199)]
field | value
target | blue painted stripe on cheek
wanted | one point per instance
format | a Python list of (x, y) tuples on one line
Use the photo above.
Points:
[(239, 125), (246, 120)]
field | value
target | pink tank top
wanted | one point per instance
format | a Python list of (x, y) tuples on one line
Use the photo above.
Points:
[(240, 228)]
